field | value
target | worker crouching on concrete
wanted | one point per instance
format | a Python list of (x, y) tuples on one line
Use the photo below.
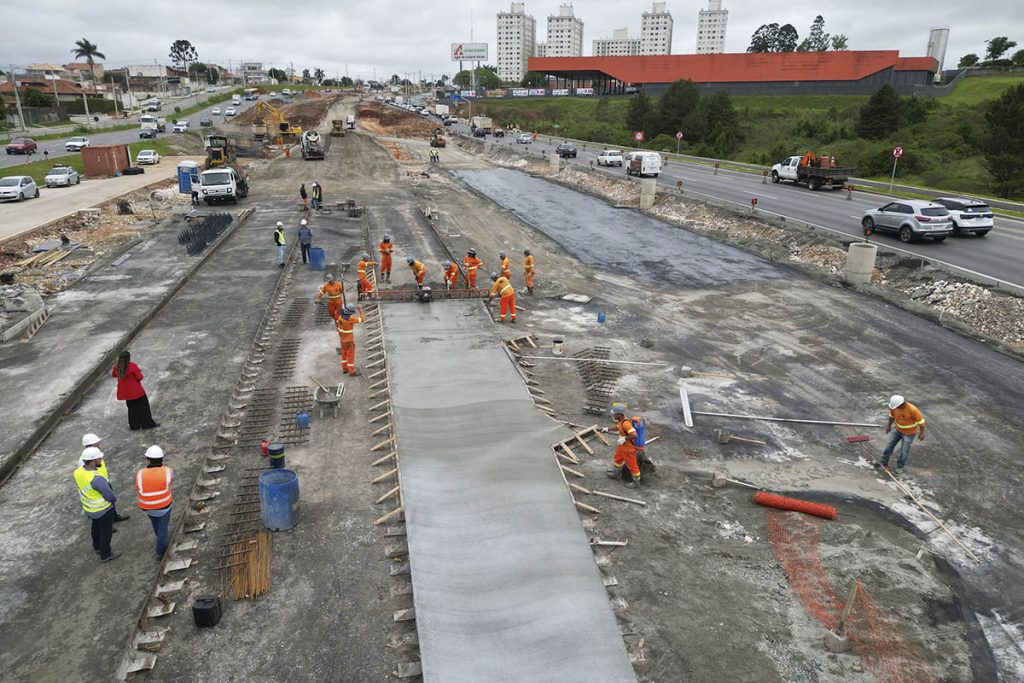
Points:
[(365, 264), (909, 425), (386, 249), (335, 293), (419, 271), (97, 498), (626, 452), (451, 274), (503, 288), (471, 264), (346, 323), (528, 271), (153, 485)]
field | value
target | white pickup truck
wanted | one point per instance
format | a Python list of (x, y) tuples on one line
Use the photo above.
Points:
[(816, 174)]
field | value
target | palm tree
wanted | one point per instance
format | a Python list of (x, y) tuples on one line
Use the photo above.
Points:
[(85, 49), (318, 75)]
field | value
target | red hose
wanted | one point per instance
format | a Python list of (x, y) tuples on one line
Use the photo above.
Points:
[(773, 500)]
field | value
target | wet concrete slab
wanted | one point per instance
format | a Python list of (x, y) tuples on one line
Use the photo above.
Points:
[(504, 582), (618, 240)]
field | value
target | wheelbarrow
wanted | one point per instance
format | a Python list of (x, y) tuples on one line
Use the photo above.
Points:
[(326, 399)]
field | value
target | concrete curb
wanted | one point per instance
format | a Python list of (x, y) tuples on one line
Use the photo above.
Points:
[(9, 466)]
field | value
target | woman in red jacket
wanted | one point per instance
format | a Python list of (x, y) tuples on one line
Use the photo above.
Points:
[(129, 390)]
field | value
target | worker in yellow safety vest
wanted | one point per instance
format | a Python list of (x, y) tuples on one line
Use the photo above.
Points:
[(507, 292), (153, 485), (97, 498)]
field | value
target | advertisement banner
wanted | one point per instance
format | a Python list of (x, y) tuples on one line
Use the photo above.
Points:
[(584, 91), (560, 92), (520, 92), (536, 91), (500, 92), (467, 93), (469, 52)]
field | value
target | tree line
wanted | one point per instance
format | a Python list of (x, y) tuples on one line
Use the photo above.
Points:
[(995, 49), (775, 38), (708, 121)]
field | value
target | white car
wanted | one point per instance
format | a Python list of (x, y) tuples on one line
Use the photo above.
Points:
[(62, 176), (76, 144), (147, 156), (180, 127), (609, 157), (215, 110), (230, 111), (19, 187), (286, 91), (524, 139)]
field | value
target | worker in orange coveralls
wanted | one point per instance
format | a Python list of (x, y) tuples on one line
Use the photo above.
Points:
[(346, 323), (419, 271), (335, 293), (626, 453), (451, 274), (365, 286), (507, 292), (506, 265), (471, 263), (528, 271), (386, 249)]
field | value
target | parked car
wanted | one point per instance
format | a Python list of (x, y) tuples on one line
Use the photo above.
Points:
[(21, 146), (968, 215), (909, 218), (286, 91), (206, 122), (215, 111), (76, 144), (565, 150), (230, 111), (180, 127), (147, 133), (147, 156), (62, 176), (609, 157), (498, 133), (19, 187), (524, 139)]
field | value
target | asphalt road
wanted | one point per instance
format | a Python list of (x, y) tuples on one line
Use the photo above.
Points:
[(999, 255), (56, 147)]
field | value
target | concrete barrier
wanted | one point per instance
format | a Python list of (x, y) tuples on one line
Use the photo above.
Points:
[(860, 263)]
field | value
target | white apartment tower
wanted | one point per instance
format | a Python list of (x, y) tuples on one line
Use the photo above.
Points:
[(565, 34), (541, 50), (517, 33), (711, 28), (656, 31), (619, 45)]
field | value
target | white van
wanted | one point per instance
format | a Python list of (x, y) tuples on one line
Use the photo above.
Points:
[(644, 164), (236, 100)]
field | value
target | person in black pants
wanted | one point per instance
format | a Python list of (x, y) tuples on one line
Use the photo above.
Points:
[(305, 239), (129, 390)]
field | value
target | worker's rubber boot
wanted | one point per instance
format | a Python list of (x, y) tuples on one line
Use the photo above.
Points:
[(529, 290), (633, 483), (614, 472)]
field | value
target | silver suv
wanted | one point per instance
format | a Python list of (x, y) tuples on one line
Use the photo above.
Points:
[(968, 215), (909, 218)]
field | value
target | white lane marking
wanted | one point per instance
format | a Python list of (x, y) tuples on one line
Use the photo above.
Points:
[(766, 196)]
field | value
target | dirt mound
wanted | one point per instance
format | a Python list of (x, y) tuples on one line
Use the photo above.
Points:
[(393, 122), (305, 114), (312, 93)]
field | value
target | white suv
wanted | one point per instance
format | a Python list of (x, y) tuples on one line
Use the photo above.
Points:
[(609, 157), (909, 219), (968, 215), (76, 144)]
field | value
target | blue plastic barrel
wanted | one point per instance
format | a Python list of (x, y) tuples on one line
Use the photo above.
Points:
[(302, 420), (276, 453), (279, 499), (317, 256)]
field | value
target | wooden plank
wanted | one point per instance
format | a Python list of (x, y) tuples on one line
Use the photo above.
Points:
[(571, 460), (384, 476), (387, 495), (572, 472), (568, 452), (393, 513), (583, 443), (622, 498), (587, 508), (577, 487)]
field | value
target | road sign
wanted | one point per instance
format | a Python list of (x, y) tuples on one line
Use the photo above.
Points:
[(638, 136), (897, 152), (679, 135)]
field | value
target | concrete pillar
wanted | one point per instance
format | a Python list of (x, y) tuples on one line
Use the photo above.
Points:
[(860, 263), (555, 162), (647, 191)]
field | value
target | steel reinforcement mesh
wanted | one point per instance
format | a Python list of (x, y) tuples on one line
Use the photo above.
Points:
[(874, 637)]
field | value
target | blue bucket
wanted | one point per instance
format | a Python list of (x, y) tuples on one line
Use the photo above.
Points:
[(317, 256), (600, 317), (302, 420), (279, 499)]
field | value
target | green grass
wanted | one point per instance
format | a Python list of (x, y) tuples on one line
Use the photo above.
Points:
[(39, 169), (981, 88)]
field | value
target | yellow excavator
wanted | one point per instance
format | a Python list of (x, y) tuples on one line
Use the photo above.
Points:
[(270, 122)]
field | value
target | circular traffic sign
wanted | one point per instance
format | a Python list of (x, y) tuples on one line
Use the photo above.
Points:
[(897, 152), (679, 135), (638, 136)]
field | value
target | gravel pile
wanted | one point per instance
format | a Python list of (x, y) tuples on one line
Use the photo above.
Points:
[(996, 315)]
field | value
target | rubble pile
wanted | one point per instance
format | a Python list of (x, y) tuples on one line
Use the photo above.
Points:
[(996, 315), (394, 123), (17, 302)]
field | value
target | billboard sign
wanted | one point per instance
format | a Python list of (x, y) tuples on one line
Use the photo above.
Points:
[(520, 92), (584, 91), (560, 92), (469, 52), (536, 91), (465, 94)]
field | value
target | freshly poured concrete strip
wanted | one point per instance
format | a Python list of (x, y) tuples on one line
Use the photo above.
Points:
[(504, 580)]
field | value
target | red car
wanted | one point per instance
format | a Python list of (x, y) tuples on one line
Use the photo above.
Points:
[(21, 146)]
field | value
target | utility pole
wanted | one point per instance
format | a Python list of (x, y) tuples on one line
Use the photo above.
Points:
[(85, 100), (17, 99), (128, 86)]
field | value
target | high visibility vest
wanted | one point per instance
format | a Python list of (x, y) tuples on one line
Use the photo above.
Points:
[(472, 263), (153, 484), (92, 500), (528, 263), (346, 328), (386, 248), (333, 290)]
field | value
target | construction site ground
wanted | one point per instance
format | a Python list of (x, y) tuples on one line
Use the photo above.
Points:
[(710, 587)]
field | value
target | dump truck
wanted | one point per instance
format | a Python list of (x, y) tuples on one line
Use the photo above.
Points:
[(813, 171), (437, 138), (483, 123), (312, 145), (337, 128)]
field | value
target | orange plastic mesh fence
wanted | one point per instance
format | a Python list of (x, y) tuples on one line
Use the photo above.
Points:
[(873, 635)]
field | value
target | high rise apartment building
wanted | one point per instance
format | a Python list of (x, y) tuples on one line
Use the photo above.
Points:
[(517, 35), (656, 31), (711, 24), (619, 45), (565, 34)]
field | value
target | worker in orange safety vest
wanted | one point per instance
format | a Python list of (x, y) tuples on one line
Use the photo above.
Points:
[(365, 286), (386, 249), (451, 274), (506, 265), (153, 485), (507, 292), (346, 322), (471, 264), (419, 271), (909, 424), (335, 293), (528, 271), (626, 452)]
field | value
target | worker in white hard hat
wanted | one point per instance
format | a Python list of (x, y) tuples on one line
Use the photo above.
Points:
[(97, 499), (153, 484), (279, 243), (92, 441), (305, 239), (909, 426)]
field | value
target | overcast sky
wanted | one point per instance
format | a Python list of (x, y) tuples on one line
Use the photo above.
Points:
[(409, 36)]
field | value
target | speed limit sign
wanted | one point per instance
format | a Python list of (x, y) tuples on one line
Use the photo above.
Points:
[(897, 152), (638, 136)]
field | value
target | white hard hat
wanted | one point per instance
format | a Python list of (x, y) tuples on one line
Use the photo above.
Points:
[(90, 440), (91, 453), (302, 222), (896, 401), (154, 452), (280, 224)]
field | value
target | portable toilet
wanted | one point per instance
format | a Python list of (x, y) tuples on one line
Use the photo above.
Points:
[(188, 173)]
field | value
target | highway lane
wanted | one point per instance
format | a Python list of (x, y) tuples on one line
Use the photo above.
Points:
[(999, 255), (56, 147)]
